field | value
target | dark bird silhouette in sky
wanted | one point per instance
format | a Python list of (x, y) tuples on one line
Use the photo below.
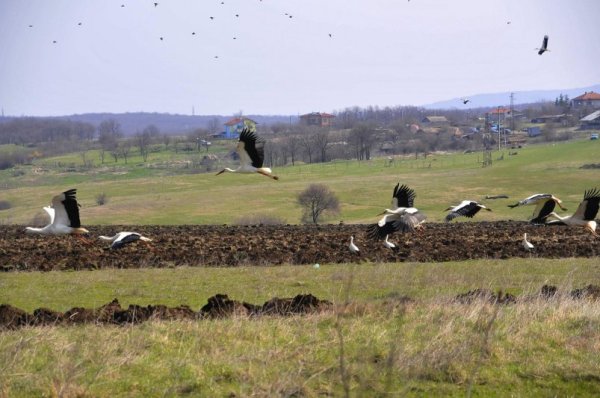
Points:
[(544, 47)]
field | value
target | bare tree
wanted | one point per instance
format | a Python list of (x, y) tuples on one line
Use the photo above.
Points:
[(307, 143), (316, 200), (124, 149), (321, 140), (213, 125), (292, 144), (362, 138), (109, 132)]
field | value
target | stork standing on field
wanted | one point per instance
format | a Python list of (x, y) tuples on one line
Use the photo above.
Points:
[(64, 216), (388, 244), (544, 205), (121, 239), (466, 208), (251, 150), (401, 217), (585, 214), (353, 248), (526, 244)]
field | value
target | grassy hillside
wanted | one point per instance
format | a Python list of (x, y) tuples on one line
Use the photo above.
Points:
[(142, 195)]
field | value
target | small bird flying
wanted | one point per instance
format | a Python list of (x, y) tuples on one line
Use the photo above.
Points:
[(544, 47), (545, 204), (585, 214), (466, 208), (465, 101), (401, 217), (64, 216), (251, 150), (121, 239)]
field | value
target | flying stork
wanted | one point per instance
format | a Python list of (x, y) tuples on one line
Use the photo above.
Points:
[(64, 216), (251, 150), (544, 47), (402, 217), (120, 239), (585, 213), (545, 204), (466, 208)]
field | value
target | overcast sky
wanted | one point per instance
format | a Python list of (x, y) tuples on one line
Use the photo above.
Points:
[(110, 58)]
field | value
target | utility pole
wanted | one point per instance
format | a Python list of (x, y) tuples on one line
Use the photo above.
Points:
[(512, 112), (498, 127)]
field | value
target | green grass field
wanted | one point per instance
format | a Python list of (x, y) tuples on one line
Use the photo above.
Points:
[(373, 347), (139, 195), (433, 347)]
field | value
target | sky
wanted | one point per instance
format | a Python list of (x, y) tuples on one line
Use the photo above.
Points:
[(284, 57)]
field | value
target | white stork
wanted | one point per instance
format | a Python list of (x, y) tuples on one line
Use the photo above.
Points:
[(402, 217), (120, 239), (526, 244), (251, 150), (585, 213), (466, 208), (388, 244), (545, 204), (64, 216), (544, 47), (353, 248)]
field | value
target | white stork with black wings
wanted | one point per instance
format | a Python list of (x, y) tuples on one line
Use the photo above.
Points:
[(124, 238), (251, 150), (64, 216), (585, 214), (402, 217), (466, 208), (544, 205)]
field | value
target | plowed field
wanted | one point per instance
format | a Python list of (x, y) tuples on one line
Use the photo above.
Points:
[(202, 245)]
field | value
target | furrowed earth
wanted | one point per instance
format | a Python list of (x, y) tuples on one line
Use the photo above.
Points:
[(205, 246), (222, 246)]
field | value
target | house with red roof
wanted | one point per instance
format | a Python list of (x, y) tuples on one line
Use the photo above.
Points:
[(234, 127), (591, 99), (317, 119)]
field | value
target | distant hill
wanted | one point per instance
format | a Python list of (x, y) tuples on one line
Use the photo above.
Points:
[(500, 99), (165, 122)]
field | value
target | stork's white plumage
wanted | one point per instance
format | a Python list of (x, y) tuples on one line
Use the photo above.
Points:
[(251, 150), (121, 239), (544, 205), (526, 244), (466, 208), (353, 248), (585, 214), (401, 217), (64, 216), (388, 244)]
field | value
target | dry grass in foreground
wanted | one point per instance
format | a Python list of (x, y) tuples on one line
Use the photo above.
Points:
[(385, 348)]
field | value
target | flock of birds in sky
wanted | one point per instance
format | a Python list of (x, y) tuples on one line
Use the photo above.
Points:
[(401, 217), (541, 49), (193, 33)]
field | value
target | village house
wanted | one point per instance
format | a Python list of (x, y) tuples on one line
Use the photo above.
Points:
[(434, 120), (591, 99), (234, 127), (591, 121), (317, 119)]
